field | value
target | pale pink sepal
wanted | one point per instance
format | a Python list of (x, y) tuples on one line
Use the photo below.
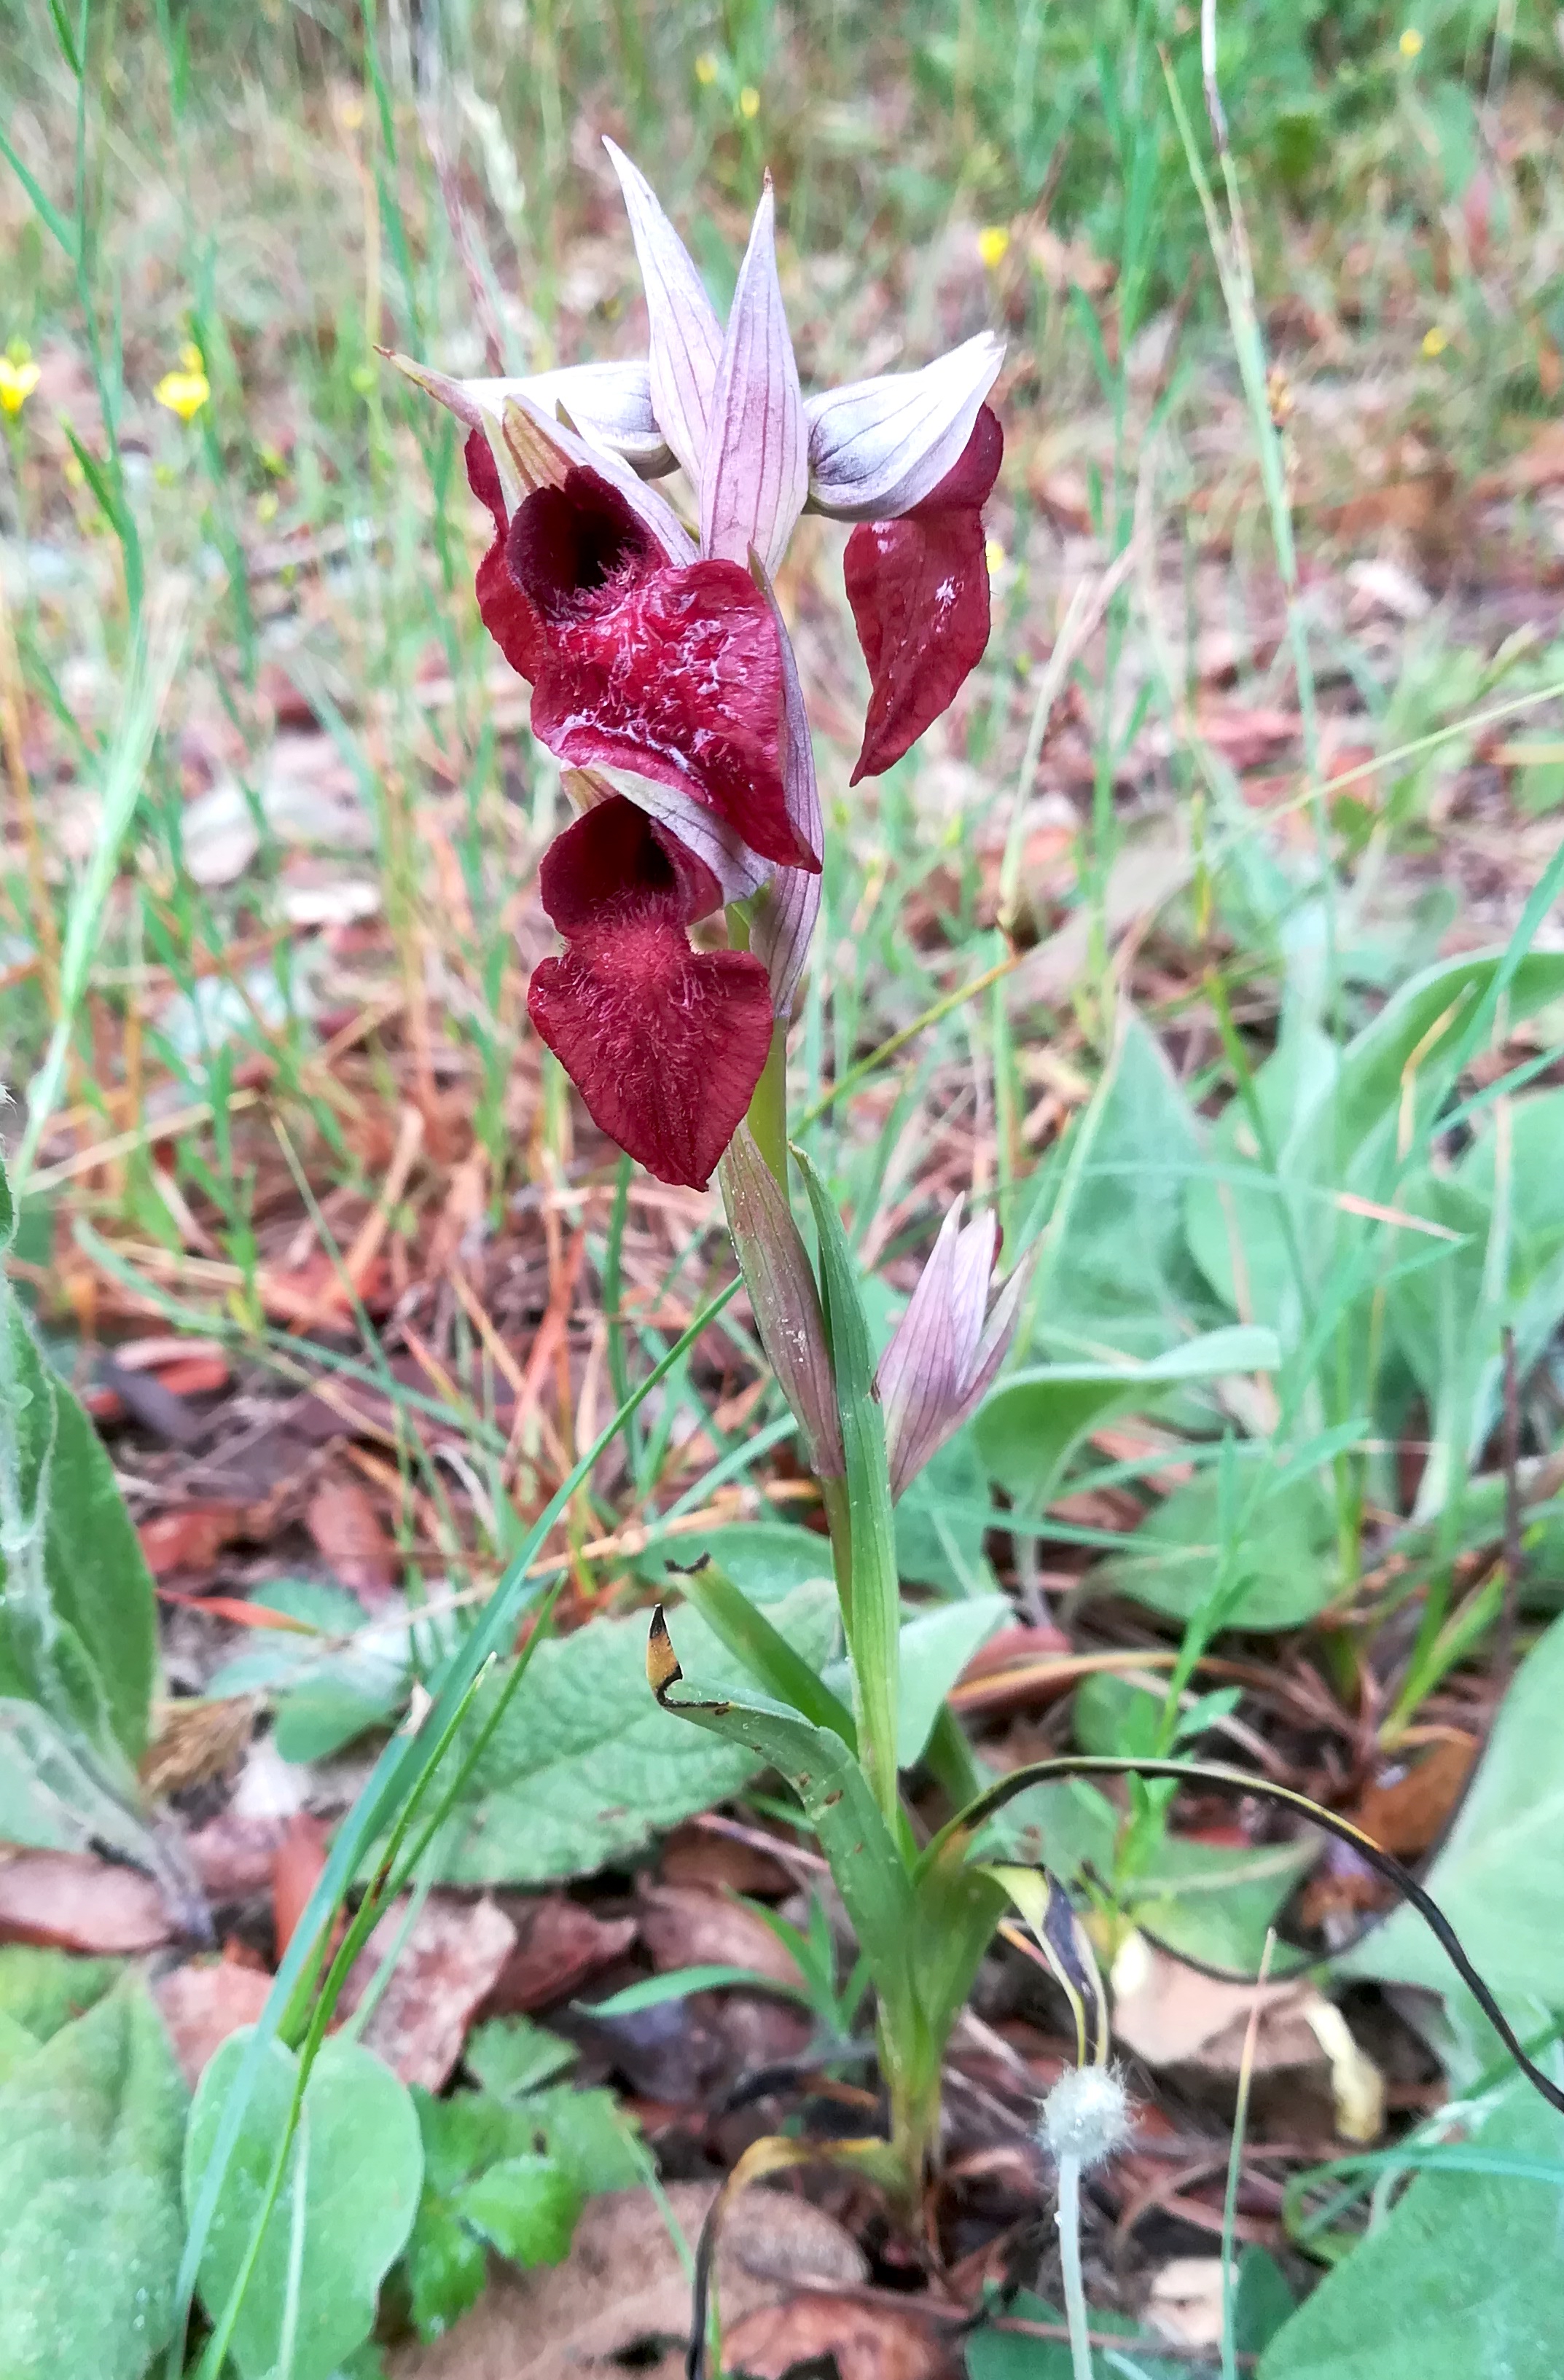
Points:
[(948, 1347), (755, 471), (685, 336), (610, 403), (782, 920), (877, 447)]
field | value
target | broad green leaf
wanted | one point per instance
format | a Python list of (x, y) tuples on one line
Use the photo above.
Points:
[(934, 1649), (1238, 1233), (1429, 1020), (939, 1532), (348, 2195), (873, 1603), (352, 1674), (766, 1560), (1281, 1564), (1498, 1877), (45, 1989), (1463, 2279), (768, 1658), (1030, 1427), (78, 1630), (89, 2219), (1527, 1150), (589, 2133), (584, 1769), (1115, 1278), (996, 2354)]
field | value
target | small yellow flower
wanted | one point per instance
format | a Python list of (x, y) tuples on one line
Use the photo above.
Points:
[(706, 69), (18, 377), (350, 114), (1436, 341), (266, 507), (993, 244), (184, 392), (1411, 45), (749, 102), (993, 553)]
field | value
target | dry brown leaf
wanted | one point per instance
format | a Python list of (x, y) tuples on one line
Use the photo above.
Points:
[(1172, 2015), (446, 1970), (196, 1739), (623, 2292), (696, 1854), (296, 1871), (190, 1538), (202, 2004), (1411, 1812), (232, 1855), (344, 1519), (558, 1945), (867, 2342), (73, 1900), (1185, 2301), (687, 1926)]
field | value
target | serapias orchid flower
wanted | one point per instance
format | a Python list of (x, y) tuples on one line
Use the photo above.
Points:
[(661, 671)]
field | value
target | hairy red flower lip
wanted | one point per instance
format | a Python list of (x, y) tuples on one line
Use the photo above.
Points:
[(664, 1043)]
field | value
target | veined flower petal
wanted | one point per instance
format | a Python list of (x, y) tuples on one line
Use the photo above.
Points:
[(504, 609), (755, 471), (664, 1043), (609, 403), (687, 337), (535, 451), (877, 447), (673, 673), (919, 592)]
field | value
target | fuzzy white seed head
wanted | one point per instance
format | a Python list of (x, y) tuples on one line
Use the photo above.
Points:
[(1086, 2115)]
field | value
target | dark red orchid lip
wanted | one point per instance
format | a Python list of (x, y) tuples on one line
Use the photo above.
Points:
[(919, 591), (672, 671), (664, 1043)]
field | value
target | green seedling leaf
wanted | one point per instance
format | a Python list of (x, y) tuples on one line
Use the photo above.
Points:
[(1462, 2276), (506, 2176), (510, 2056), (525, 2206), (767, 1655), (348, 2196), (939, 1536), (1498, 1877), (1238, 1234), (350, 1674), (91, 2127), (1281, 1569), (1031, 1426), (585, 1769), (78, 1627)]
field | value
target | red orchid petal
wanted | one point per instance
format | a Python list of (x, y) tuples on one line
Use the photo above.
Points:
[(672, 671), (665, 1044), (504, 609), (919, 591)]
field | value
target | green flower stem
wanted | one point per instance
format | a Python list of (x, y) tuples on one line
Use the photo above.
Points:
[(768, 1109)]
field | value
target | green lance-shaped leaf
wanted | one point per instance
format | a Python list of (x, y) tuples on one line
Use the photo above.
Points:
[(864, 1859), (873, 1611), (765, 1652)]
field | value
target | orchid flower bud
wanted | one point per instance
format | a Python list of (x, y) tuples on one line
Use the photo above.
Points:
[(784, 1298), (948, 1347)]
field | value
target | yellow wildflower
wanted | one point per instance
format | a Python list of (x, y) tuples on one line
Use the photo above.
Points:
[(993, 242), (18, 376), (184, 392), (749, 102), (706, 69), (1436, 340), (1410, 43), (993, 553)]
